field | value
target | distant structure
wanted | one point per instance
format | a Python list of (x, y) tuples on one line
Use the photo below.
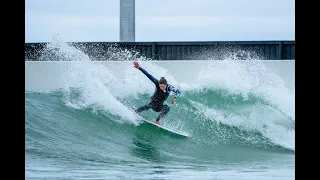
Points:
[(127, 20)]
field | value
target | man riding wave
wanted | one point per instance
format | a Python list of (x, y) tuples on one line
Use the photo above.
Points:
[(161, 93)]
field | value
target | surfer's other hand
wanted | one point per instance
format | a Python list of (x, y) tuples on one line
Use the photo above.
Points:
[(173, 100)]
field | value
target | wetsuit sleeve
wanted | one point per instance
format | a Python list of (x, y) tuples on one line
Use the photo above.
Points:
[(174, 90), (154, 80)]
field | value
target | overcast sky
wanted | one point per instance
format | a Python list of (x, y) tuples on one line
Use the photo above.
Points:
[(161, 20)]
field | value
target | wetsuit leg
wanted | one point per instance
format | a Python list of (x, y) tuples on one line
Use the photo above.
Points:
[(143, 108), (165, 109)]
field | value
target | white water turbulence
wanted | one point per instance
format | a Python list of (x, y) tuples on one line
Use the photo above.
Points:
[(94, 84), (274, 118)]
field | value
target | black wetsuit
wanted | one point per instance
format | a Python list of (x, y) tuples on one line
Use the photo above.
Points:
[(159, 96)]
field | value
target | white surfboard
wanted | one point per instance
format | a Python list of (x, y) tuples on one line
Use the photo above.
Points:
[(165, 128), (160, 126)]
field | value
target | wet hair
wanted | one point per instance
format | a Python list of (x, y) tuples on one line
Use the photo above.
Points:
[(163, 81)]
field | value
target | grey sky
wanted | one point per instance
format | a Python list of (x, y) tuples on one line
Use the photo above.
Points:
[(162, 20)]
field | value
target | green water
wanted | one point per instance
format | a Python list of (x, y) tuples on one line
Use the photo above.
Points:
[(90, 142)]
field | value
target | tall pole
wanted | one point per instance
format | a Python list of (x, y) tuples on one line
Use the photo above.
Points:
[(127, 20)]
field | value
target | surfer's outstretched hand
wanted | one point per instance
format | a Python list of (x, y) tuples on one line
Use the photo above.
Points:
[(136, 64), (173, 100)]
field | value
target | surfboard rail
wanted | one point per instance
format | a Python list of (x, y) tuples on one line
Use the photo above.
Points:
[(165, 128)]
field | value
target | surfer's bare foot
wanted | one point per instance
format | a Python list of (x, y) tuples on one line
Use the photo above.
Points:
[(157, 122)]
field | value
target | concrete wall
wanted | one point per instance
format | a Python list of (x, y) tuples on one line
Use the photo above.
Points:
[(49, 75)]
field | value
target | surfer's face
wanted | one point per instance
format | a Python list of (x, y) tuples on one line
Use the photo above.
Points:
[(162, 86)]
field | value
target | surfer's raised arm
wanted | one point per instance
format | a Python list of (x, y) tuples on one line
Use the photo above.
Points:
[(154, 80)]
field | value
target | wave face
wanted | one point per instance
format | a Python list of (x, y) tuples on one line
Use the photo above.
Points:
[(240, 119)]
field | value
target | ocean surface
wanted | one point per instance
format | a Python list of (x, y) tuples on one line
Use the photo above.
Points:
[(240, 121)]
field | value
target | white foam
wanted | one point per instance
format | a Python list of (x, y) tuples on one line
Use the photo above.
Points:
[(94, 81), (244, 79), (270, 124)]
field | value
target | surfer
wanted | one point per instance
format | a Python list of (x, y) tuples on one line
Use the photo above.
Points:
[(161, 93)]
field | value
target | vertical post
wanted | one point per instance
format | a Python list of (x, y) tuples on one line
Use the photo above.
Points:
[(280, 51), (154, 51), (127, 20)]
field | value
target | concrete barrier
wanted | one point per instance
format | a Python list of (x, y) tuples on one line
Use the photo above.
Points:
[(50, 75)]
